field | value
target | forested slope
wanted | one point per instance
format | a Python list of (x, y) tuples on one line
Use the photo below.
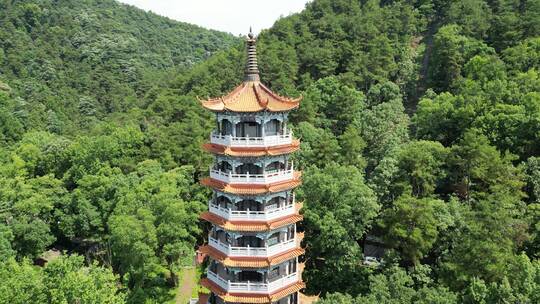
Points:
[(419, 125), (80, 60), (452, 189)]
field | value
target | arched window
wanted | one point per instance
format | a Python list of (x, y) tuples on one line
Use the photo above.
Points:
[(248, 168), (223, 202), (250, 204), (224, 166), (273, 274), (291, 231), (248, 129), (249, 240), (226, 127), (275, 202), (222, 236), (273, 239), (275, 166), (250, 275), (214, 266), (272, 127)]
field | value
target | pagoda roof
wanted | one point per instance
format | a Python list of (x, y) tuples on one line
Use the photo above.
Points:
[(251, 96), (254, 226), (252, 151), (252, 297), (252, 262), (252, 189)]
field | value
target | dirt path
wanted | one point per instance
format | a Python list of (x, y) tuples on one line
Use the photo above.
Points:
[(188, 282), (424, 69)]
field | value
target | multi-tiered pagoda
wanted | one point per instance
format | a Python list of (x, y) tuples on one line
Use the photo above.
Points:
[(253, 246)]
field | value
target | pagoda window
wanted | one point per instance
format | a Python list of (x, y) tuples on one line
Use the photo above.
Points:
[(250, 275), (290, 198), (273, 239), (249, 168), (224, 272), (223, 237), (213, 232), (223, 166), (223, 201), (273, 274), (273, 127), (250, 240), (275, 166), (290, 232), (213, 266), (275, 202), (248, 129), (252, 205), (226, 127), (291, 266), (293, 299)]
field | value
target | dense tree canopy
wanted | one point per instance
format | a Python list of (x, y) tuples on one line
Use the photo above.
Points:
[(65, 280), (339, 210), (73, 62)]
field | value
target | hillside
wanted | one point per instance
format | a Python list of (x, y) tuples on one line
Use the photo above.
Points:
[(419, 127), (79, 60)]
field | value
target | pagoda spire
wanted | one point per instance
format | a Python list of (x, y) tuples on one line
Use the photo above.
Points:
[(252, 69)]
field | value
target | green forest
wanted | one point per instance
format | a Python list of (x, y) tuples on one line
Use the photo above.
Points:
[(419, 124)]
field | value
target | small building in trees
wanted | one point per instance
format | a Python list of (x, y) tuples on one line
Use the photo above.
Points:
[(253, 246), (47, 256)]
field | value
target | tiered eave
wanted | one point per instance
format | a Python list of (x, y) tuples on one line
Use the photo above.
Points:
[(253, 189), (254, 262), (251, 96), (252, 298), (252, 151)]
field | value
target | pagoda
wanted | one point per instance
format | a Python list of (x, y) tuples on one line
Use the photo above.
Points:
[(253, 245)]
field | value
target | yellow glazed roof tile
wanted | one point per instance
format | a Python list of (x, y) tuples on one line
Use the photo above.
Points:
[(251, 96)]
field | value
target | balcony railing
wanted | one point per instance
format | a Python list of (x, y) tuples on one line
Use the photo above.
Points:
[(267, 251), (266, 141), (266, 178), (253, 287), (265, 215)]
